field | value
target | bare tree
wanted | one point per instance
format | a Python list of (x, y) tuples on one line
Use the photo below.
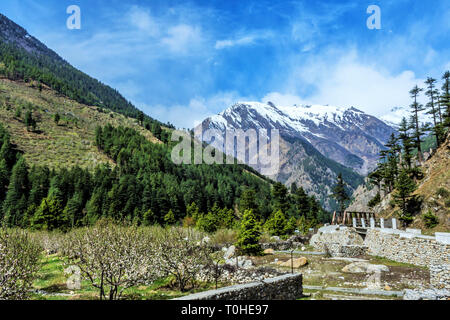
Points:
[(19, 263), (113, 258), (183, 255)]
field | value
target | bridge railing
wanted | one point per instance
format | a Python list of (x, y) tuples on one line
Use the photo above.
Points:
[(361, 219)]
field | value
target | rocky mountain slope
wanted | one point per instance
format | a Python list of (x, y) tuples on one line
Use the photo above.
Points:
[(317, 142), (347, 136), (433, 189)]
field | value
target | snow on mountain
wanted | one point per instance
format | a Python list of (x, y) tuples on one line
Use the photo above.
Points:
[(347, 135)]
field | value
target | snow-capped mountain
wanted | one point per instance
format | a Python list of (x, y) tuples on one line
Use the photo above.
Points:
[(317, 141), (349, 136)]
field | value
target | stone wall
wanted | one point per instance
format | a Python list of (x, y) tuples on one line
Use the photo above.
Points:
[(339, 241), (407, 247), (285, 287), (440, 276)]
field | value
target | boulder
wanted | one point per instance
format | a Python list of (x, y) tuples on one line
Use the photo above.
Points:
[(296, 262), (269, 251), (364, 267), (230, 252)]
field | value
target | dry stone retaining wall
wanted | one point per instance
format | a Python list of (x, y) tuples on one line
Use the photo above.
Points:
[(440, 276), (285, 287), (407, 247)]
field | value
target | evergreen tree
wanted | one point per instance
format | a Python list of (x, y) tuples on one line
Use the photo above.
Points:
[(433, 109), (14, 206), (73, 212), (193, 211), (416, 108), (407, 142), (301, 202), (404, 187), (4, 179), (248, 201), (49, 215), (276, 224), (391, 168), (29, 121), (445, 99), (249, 235), (149, 218), (169, 218), (140, 117), (340, 194), (280, 197), (56, 118), (291, 225)]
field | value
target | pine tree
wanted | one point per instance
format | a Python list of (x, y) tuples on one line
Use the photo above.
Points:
[(74, 210), (276, 224), (407, 143), (4, 180), (445, 99), (404, 187), (339, 193), (13, 206), (49, 215), (301, 202), (248, 202), (416, 108), (433, 109), (149, 218), (193, 211), (392, 161), (291, 225), (29, 121), (169, 218), (56, 118), (249, 234), (280, 197)]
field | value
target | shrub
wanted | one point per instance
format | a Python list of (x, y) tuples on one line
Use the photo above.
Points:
[(443, 192), (19, 263), (374, 201), (112, 257), (430, 219), (225, 236)]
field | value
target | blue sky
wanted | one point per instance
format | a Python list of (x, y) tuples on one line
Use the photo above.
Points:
[(181, 61)]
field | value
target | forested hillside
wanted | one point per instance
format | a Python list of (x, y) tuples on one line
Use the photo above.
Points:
[(24, 57)]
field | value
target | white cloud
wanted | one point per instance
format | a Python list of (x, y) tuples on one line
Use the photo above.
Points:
[(193, 113), (182, 38), (283, 99), (243, 40), (349, 82), (143, 20)]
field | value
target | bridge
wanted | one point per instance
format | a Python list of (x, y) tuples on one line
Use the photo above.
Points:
[(362, 220)]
